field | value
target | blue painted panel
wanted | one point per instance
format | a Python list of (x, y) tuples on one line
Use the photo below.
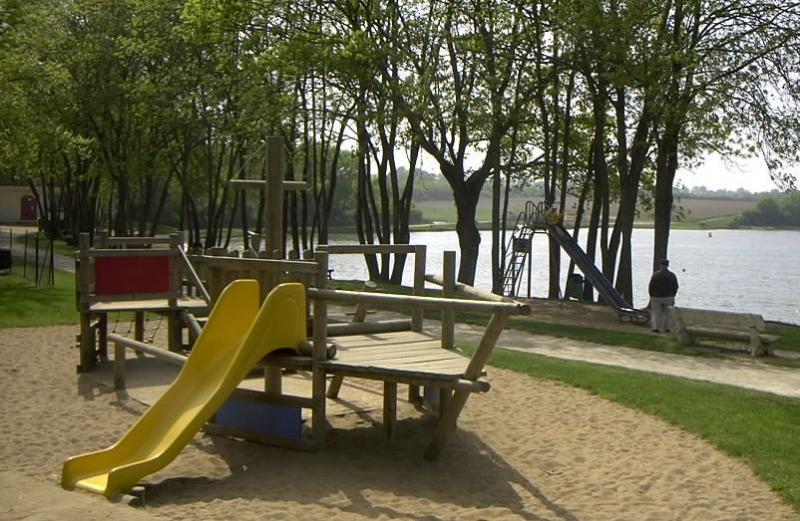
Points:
[(263, 418)]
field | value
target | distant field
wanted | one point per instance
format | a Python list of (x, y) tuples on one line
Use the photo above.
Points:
[(710, 213)]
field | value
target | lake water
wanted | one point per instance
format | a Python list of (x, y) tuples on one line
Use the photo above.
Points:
[(731, 270)]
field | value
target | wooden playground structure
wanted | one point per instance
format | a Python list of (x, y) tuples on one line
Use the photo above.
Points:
[(138, 275)]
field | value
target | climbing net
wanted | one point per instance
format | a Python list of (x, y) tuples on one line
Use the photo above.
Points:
[(150, 328)]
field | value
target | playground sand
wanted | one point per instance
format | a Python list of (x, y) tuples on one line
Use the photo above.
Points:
[(529, 449)]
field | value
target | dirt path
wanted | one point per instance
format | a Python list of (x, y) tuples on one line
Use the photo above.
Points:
[(740, 372)]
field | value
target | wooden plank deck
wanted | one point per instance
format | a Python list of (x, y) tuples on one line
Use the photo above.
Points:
[(402, 356), (156, 304)]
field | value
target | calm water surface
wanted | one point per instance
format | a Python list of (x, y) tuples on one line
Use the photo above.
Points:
[(735, 270)]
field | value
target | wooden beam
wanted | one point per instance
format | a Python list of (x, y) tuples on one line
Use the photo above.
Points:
[(411, 378), (129, 252), (169, 356), (194, 276), (339, 295), (191, 321), (342, 249), (474, 370), (134, 241), (470, 291), (236, 263), (364, 328)]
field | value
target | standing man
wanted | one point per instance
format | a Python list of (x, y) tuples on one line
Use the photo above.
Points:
[(663, 288)]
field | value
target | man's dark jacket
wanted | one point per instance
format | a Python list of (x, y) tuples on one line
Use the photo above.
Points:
[(663, 283)]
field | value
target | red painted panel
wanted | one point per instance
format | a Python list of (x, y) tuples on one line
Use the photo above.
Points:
[(121, 275)]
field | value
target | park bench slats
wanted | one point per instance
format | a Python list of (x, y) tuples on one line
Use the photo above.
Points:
[(748, 328)]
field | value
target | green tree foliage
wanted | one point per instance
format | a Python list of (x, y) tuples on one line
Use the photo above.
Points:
[(135, 114), (774, 211)]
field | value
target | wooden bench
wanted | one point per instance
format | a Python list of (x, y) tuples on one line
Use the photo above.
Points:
[(749, 328)]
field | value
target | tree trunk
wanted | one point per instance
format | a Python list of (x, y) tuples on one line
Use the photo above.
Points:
[(666, 166), (469, 237)]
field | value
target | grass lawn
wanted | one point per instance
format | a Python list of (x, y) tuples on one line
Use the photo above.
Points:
[(760, 428), (22, 303)]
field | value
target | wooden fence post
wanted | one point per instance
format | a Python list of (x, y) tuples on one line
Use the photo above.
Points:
[(448, 291), (419, 285), (320, 326)]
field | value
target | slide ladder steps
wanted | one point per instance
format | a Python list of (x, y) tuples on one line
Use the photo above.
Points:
[(516, 257)]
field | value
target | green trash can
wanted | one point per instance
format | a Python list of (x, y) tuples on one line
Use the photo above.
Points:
[(574, 287)]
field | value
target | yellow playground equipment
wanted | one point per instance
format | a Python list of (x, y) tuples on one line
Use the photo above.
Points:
[(238, 334)]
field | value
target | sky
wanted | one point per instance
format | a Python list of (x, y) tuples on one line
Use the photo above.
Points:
[(716, 173)]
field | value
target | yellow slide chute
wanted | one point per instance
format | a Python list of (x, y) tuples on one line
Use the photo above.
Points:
[(238, 334)]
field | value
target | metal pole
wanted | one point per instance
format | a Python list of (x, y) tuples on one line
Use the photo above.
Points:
[(52, 264), (25, 257), (36, 260), (530, 262)]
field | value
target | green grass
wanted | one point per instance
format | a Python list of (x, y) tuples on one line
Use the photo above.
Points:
[(25, 304), (59, 246), (760, 428), (790, 336)]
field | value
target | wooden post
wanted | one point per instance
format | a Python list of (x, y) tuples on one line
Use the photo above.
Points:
[(320, 327), (102, 336), (87, 355), (216, 279), (448, 291), (419, 285), (389, 409), (276, 162), (335, 386), (101, 239), (455, 404), (273, 383), (138, 326), (174, 322), (248, 274), (444, 399), (360, 314), (119, 366)]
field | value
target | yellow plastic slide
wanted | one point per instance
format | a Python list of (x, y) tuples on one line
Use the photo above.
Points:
[(235, 338)]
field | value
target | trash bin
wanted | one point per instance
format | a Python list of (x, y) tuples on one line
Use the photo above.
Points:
[(574, 287), (5, 259)]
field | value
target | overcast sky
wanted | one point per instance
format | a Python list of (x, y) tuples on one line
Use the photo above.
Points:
[(716, 174)]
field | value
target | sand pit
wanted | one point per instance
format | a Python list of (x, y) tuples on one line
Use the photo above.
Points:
[(529, 449)]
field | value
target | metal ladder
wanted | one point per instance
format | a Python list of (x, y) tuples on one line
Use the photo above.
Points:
[(516, 257)]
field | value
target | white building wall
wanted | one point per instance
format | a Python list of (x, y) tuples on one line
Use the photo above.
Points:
[(10, 204)]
